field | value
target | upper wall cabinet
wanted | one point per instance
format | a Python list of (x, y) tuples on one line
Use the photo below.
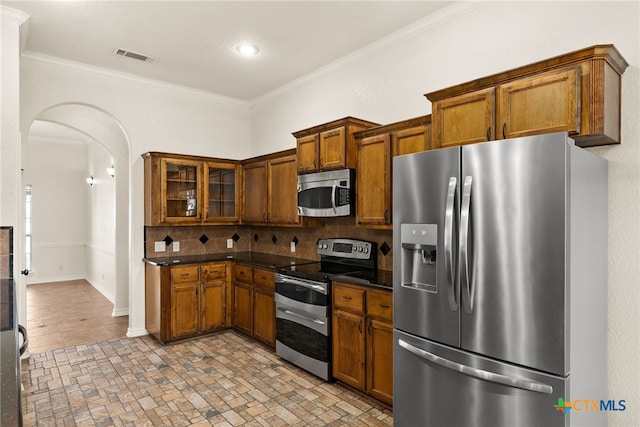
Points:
[(270, 191), (189, 190), (376, 147), (329, 146), (578, 92)]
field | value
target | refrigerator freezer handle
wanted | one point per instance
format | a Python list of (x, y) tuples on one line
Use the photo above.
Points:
[(448, 242), (478, 373), (465, 219)]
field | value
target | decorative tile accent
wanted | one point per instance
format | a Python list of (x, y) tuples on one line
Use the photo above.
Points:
[(168, 240), (385, 249), (295, 240), (274, 239), (255, 237), (235, 237), (203, 239)]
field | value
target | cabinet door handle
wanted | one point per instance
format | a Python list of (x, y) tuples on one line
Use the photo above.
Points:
[(489, 133), (504, 130), (360, 326), (386, 214), (369, 332)]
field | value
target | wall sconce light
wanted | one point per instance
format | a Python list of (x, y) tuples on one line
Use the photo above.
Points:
[(111, 171), (90, 180)]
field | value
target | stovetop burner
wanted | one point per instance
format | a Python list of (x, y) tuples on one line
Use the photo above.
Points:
[(338, 257)]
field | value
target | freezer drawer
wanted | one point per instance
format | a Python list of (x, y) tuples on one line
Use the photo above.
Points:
[(435, 385)]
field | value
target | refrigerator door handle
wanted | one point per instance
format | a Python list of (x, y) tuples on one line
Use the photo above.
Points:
[(478, 373), (448, 242), (465, 279)]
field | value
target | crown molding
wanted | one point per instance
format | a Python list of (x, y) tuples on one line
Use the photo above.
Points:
[(39, 58), (13, 16), (18, 18), (434, 20)]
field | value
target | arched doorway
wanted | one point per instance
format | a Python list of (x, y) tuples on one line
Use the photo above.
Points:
[(102, 127)]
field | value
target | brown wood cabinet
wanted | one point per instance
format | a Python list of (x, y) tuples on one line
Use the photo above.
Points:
[(186, 301), (253, 303), (362, 339), (578, 92), (190, 190), (270, 194), (329, 146), (376, 147)]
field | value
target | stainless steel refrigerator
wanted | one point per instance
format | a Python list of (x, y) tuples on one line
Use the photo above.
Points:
[(500, 284)]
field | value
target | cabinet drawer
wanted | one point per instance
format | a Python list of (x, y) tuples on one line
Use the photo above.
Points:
[(264, 279), (184, 274), (243, 273), (213, 271), (349, 298), (380, 304)]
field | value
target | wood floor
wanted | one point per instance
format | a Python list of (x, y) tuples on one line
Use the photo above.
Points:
[(65, 314)]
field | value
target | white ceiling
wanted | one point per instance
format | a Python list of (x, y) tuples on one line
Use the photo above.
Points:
[(195, 40)]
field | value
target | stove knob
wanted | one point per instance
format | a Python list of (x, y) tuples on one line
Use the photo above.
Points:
[(324, 246), (366, 250), (359, 248)]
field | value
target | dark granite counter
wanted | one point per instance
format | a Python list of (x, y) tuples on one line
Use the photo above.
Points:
[(382, 279), (254, 258)]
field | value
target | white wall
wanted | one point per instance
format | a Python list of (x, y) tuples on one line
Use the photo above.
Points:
[(57, 170), (10, 159), (153, 117), (100, 221), (385, 83)]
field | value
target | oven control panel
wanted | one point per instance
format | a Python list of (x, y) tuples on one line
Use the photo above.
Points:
[(346, 248)]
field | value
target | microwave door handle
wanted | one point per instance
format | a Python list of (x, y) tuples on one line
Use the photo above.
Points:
[(333, 198)]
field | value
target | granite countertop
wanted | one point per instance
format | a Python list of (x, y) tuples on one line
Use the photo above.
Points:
[(382, 279), (255, 258)]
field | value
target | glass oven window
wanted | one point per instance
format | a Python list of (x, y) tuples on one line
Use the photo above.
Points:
[(303, 340), (302, 294)]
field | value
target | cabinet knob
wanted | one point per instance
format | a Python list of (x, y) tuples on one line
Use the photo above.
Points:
[(346, 297), (384, 306)]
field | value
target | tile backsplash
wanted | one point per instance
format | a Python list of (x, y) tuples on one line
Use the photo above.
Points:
[(200, 240)]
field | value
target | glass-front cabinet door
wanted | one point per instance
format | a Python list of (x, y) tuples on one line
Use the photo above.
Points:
[(181, 184), (221, 193)]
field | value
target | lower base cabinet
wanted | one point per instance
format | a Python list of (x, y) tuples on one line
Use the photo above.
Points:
[(254, 303), (363, 339), (186, 301)]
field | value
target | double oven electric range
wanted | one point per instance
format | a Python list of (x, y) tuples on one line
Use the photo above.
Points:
[(303, 301)]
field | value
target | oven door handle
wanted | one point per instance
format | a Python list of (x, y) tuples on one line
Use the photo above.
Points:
[(307, 284), (293, 313)]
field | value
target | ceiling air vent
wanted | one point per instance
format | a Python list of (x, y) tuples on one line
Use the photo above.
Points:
[(134, 55)]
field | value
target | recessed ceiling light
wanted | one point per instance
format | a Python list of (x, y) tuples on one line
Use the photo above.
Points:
[(247, 49)]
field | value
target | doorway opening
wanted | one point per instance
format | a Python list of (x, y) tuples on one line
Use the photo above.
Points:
[(76, 159)]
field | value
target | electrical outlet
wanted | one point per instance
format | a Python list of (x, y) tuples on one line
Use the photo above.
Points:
[(293, 246), (229, 243), (160, 246), (176, 246)]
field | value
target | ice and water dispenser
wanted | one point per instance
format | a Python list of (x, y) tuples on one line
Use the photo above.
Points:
[(419, 252)]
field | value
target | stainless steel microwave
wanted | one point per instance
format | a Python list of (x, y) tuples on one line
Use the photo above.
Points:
[(326, 194)]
